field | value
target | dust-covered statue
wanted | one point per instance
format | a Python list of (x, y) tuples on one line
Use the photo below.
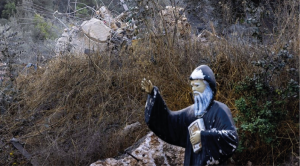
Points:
[(205, 129)]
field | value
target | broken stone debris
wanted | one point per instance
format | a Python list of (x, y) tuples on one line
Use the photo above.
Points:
[(150, 151), (107, 18), (94, 34), (63, 44)]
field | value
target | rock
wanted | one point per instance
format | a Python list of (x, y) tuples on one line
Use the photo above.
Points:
[(249, 163), (96, 30), (149, 150), (76, 42), (63, 43)]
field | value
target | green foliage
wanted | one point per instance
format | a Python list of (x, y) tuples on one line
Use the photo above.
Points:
[(83, 12), (43, 27), (9, 10), (263, 104)]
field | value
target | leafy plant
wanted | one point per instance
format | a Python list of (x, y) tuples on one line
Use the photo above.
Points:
[(83, 12), (263, 104), (43, 27), (9, 10)]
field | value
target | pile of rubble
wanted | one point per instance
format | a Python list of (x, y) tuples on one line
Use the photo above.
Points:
[(96, 33), (149, 150), (104, 30)]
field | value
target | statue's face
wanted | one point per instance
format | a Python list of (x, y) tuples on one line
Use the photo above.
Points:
[(198, 85)]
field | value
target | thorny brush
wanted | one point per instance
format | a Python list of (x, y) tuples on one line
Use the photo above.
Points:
[(72, 111), (78, 106)]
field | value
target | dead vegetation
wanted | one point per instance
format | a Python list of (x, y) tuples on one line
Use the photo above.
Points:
[(72, 111)]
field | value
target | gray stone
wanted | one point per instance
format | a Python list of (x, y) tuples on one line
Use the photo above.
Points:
[(96, 30)]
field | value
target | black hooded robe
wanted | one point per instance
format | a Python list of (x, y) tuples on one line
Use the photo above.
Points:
[(219, 140)]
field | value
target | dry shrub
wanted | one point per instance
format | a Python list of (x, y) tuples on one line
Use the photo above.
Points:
[(72, 111), (170, 66)]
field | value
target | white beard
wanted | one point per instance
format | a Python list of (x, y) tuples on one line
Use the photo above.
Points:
[(202, 100)]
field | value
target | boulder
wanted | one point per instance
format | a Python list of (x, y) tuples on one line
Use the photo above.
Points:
[(75, 41), (96, 30)]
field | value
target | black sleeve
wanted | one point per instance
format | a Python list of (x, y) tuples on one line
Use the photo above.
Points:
[(169, 126), (220, 141)]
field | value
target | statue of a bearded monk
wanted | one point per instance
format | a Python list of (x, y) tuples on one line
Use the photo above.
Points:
[(219, 140)]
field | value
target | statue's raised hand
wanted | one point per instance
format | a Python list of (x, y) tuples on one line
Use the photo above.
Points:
[(147, 85)]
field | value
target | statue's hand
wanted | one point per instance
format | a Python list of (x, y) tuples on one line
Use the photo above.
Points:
[(147, 85), (196, 137)]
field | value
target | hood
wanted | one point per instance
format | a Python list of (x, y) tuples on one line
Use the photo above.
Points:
[(204, 72)]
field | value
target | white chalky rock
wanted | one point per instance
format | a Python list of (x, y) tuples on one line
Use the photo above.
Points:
[(151, 151), (96, 29)]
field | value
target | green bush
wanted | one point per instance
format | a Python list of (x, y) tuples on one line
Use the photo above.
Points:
[(263, 105), (44, 29), (9, 10), (82, 12)]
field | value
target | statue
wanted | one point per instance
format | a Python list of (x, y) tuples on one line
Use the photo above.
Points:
[(216, 140)]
